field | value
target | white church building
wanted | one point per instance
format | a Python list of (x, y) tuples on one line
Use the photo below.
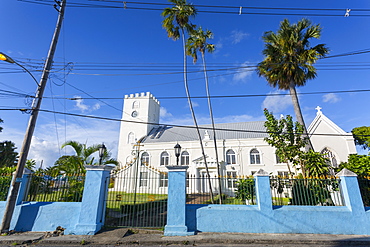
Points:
[(146, 147)]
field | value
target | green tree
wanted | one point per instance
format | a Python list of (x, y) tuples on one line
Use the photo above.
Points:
[(359, 164), (72, 164), (314, 163), (177, 23), (8, 155), (245, 189), (362, 136), (289, 59), (286, 137)]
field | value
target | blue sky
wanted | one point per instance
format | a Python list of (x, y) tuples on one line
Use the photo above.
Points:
[(96, 42)]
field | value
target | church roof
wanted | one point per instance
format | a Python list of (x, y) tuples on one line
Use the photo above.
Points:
[(243, 130)]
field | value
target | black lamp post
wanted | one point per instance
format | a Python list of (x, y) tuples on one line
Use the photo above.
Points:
[(102, 150), (177, 153)]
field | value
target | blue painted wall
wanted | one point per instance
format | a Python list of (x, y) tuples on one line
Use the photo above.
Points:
[(353, 218), (80, 218)]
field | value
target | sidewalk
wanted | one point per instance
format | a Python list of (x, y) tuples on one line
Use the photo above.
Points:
[(139, 237)]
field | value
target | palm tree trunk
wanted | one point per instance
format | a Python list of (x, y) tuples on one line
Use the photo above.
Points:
[(213, 127), (298, 114), (193, 115)]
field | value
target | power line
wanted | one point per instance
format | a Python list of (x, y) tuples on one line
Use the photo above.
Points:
[(234, 10), (193, 97), (170, 125)]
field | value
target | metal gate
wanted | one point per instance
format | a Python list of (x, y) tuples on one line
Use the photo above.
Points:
[(137, 197)]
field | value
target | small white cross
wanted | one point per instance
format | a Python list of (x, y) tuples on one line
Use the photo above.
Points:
[(318, 108), (347, 12)]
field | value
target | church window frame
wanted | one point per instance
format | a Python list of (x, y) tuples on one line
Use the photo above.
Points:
[(330, 155), (255, 157), (230, 157), (131, 138), (145, 159), (165, 159), (185, 158), (163, 179), (136, 105), (143, 182)]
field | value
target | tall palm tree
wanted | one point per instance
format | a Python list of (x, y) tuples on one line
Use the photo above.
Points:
[(176, 21), (197, 41), (289, 59)]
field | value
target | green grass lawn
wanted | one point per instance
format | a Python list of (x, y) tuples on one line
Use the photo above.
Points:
[(116, 199)]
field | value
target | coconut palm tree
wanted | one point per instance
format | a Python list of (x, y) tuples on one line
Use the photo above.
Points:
[(289, 59), (197, 41), (83, 156), (176, 22)]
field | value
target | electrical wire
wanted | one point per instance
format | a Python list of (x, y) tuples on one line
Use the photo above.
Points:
[(234, 10), (169, 125)]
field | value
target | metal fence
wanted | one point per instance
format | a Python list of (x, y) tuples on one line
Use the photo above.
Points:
[(5, 180), (137, 198), (315, 192), (234, 190), (364, 185), (45, 188)]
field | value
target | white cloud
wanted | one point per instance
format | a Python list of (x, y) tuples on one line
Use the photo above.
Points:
[(83, 107), (277, 104), (46, 147), (164, 113), (243, 73), (237, 36), (330, 98)]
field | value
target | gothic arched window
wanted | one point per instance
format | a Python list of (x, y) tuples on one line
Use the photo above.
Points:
[(331, 157)]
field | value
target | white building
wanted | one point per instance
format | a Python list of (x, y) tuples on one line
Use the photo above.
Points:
[(146, 148)]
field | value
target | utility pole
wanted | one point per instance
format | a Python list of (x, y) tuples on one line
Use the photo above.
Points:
[(11, 200)]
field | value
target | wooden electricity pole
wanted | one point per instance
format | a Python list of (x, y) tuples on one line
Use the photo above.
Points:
[(17, 177)]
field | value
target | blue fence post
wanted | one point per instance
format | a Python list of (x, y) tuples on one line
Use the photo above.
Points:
[(176, 213), (93, 200), (351, 191), (263, 191), (23, 189)]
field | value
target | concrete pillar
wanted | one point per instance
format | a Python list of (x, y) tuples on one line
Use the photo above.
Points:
[(23, 189), (176, 213), (93, 200), (351, 191), (263, 191)]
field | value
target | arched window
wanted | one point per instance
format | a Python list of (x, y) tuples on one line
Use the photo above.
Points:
[(135, 105), (230, 157), (185, 158), (331, 157), (255, 157), (145, 159), (165, 158), (131, 138)]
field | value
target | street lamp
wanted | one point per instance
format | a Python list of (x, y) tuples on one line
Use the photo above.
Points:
[(102, 150), (8, 59), (177, 153)]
